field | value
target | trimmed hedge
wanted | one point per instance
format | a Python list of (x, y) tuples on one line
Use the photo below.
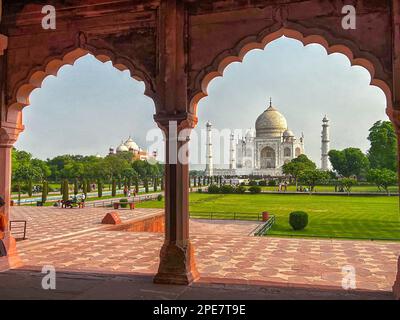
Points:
[(227, 189), (298, 220), (240, 189), (255, 189), (213, 189), (123, 204)]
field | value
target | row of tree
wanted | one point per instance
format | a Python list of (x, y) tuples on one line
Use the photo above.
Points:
[(378, 166), (118, 170)]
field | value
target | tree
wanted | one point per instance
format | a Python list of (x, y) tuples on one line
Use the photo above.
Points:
[(347, 183), (45, 191), (383, 178), (84, 186), (349, 162), (30, 187), (99, 188), (65, 189), (155, 184), (146, 185), (295, 167), (383, 151), (76, 187), (311, 177), (22, 169), (162, 183), (114, 188)]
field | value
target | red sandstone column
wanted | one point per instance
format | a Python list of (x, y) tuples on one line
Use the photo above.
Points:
[(177, 265), (176, 259), (394, 111), (11, 260), (8, 135)]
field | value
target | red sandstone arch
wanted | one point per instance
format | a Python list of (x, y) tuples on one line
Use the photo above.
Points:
[(237, 54), (53, 64)]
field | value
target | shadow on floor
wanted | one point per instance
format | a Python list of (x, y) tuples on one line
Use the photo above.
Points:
[(27, 284)]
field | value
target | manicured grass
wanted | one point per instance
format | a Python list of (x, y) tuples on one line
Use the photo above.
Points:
[(324, 188), (354, 217)]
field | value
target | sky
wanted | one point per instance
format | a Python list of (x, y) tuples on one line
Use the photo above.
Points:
[(91, 106)]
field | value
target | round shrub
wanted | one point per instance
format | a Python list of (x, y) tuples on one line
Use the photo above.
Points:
[(262, 183), (226, 189), (272, 183), (255, 189), (213, 189), (252, 183), (124, 203), (240, 189), (159, 197), (298, 220)]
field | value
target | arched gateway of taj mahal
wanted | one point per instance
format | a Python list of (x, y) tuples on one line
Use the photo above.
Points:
[(176, 47)]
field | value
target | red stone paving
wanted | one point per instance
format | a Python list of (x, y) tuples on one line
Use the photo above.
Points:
[(224, 250)]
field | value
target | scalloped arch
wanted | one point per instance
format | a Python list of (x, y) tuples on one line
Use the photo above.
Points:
[(216, 69), (54, 64)]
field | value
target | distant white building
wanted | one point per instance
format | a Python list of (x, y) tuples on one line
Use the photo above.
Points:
[(325, 144), (137, 153), (263, 152)]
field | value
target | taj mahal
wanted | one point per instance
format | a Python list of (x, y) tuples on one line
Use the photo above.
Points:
[(266, 150)]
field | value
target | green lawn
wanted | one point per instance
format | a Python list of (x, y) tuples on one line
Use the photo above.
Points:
[(324, 188), (355, 217)]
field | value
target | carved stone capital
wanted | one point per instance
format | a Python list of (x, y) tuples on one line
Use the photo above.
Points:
[(9, 134), (183, 121)]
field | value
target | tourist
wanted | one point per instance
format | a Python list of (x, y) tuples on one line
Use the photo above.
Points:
[(3, 227), (83, 197), (129, 193), (125, 191)]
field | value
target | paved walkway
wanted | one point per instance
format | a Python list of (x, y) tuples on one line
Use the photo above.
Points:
[(75, 242)]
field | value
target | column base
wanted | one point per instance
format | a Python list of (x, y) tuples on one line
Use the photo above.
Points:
[(396, 286), (12, 260), (177, 265)]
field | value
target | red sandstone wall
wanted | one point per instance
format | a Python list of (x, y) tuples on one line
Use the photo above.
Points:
[(154, 224)]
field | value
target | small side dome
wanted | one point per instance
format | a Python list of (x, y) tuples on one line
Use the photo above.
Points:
[(131, 145), (288, 134), (122, 148)]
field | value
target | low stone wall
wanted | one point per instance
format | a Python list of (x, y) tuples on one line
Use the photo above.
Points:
[(150, 224)]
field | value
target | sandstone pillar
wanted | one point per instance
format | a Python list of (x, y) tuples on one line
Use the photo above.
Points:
[(176, 259), (8, 135), (177, 264), (6, 142), (394, 111)]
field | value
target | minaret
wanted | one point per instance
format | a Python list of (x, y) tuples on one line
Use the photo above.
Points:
[(209, 157), (232, 158), (325, 144)]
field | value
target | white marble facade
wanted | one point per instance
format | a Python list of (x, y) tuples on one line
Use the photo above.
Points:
[(266, 150)]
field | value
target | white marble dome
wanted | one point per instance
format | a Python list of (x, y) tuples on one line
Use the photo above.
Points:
[(271, 124), (131, 145), (122, 148), (288, 133)]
